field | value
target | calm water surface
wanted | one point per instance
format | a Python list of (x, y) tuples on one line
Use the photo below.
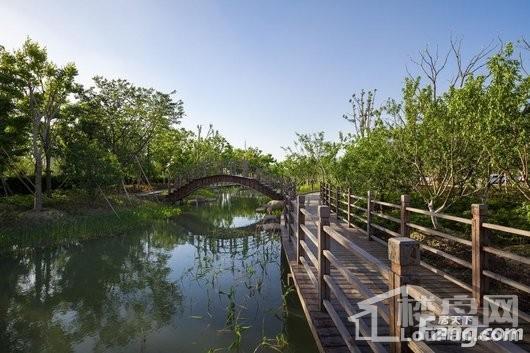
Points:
[(205, 282)]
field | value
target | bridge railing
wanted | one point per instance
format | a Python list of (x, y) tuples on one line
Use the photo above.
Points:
[(315, 255), (474, 253), (237, 168)]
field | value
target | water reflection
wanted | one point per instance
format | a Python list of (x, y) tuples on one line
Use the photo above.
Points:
[(172, 288)]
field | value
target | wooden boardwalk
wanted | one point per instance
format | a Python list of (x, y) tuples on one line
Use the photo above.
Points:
[(367, 277)]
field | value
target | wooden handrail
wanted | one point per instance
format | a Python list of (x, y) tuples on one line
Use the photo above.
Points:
[(435, 232), (439, 252), (355, 249), (308, 270), (359, 208), (440, 215), (361, 287), (435, 304), (479, 243), (387, 204), (306, 213), (507, 281), (348, 308), (309, 254), (386, 230), (359, 218), (446, 276), (384, 216), (505, 229), (403, 255), (507, 255), (309, 234), (343, 331)]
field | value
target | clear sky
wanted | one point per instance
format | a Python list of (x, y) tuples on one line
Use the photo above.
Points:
[(258, 70)]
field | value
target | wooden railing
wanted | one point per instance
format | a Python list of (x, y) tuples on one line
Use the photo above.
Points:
[(344, 204), (233, 167), (316, 257), (314, 254)]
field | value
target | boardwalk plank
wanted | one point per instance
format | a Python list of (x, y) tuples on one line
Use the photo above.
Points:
[(326, 335)]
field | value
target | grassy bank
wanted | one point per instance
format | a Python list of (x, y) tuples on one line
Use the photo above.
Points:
[(72, 217)]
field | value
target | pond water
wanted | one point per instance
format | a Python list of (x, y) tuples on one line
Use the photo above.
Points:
[(205, 282)]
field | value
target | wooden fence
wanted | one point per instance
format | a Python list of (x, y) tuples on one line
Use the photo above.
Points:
[(404, 256), (343, 202)]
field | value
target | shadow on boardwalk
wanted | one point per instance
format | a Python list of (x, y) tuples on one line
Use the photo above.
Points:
[(326, 334)]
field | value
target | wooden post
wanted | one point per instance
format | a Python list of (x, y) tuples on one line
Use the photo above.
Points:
[(288, 216), (369, 214), (349, 208), (323, 263), (337, 193), (285, 211), (405, 216), (479, 259), (291, 220), (329, 195), (300, 233), (404, 256)]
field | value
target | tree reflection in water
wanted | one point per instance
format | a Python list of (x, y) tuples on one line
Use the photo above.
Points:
[(162, 289)]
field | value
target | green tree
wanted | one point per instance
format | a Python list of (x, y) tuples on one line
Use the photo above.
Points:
[(438, 143), (45, 90), (86, 163), (506, 119), (125, 119), (372, 163), (315, 155), (14, 124)]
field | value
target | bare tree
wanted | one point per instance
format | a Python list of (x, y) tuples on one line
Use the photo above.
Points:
[(364, 113), (524, 44), (431, 65), (470, 67)]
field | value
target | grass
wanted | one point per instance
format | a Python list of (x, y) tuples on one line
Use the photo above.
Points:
[(308, 188), (73, 217)]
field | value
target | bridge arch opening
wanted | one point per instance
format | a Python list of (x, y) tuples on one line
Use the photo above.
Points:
[(258, 185)]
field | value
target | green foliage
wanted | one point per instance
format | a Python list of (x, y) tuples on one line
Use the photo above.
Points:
[(43, 89), (78, 217), (13, 124), (312, 159), (124, 119), (443, 146), (87, 165), (255, 158), (308, 188), (372, 163), (506, 119), (102, 135)]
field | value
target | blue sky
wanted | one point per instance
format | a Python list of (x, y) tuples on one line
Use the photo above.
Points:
[(258, 70)]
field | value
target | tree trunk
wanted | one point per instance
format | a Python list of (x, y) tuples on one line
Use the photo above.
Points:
[(434, 219), (37, 155), (5, 186), (48, 175), (125, 189)]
